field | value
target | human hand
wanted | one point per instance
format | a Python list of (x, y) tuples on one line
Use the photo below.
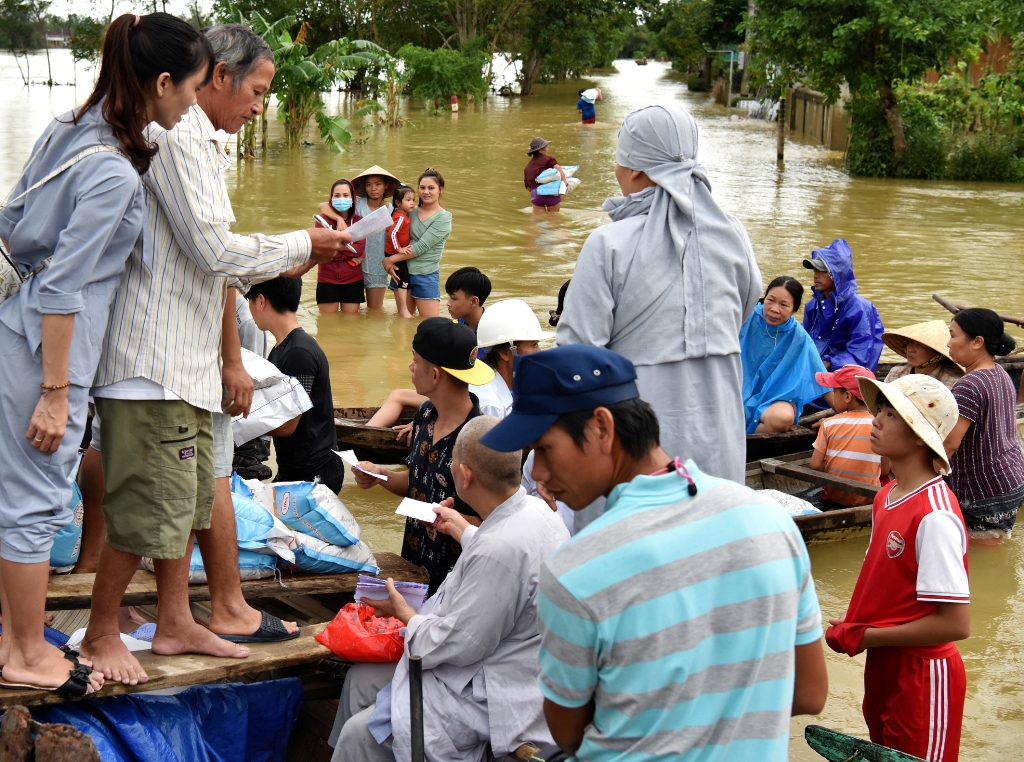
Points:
[(394, 605), (404, 432), (49, 420), (365, 481), (406, 250), (546, 496), (839, 621), (450, 521), (327, 243), (237, 390), (299, 271)]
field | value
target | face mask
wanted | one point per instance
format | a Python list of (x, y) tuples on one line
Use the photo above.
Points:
[(341, 204)]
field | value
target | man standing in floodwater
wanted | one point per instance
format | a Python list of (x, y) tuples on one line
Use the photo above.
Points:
[(668, 285)]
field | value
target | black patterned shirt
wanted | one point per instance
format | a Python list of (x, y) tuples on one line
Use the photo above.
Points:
[(430, 480)]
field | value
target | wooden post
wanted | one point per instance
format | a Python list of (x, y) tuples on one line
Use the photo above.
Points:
[(780, 145), (416, 706)]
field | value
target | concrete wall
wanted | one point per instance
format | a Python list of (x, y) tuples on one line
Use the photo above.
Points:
[(811, 119)]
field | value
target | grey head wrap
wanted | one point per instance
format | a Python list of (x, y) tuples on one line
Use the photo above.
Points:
[(691, 257)]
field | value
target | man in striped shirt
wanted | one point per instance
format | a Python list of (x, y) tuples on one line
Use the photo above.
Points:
[(683, 623), (159, 379)]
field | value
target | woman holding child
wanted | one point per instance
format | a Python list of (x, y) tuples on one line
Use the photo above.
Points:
[(924, 345), (987, 462), (779, 360), (430, 226), (339, 283)]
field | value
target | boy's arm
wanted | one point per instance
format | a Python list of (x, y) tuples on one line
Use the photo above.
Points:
[(810, 686), (820, 447), (567, 725), (817, 461), (951, 621)]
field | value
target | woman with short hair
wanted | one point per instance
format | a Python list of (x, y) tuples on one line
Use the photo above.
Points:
[(71, 222)]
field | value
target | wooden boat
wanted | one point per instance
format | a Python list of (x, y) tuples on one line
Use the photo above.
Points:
[(380, 445), (640, 61), (792, 475)]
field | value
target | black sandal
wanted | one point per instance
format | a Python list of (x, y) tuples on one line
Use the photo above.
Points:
[(76, 686), (271, 630), (71, 655)]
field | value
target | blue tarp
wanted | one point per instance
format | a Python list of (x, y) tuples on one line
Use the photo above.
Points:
[(53, 637), (205, 723)]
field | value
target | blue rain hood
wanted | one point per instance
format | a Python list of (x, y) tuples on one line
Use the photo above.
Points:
[(845, 327), (779, 363)]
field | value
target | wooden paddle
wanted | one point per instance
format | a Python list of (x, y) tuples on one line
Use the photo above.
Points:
[(840, 747)]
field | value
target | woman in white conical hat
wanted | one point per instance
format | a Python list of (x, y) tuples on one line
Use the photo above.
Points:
[(924, 347)]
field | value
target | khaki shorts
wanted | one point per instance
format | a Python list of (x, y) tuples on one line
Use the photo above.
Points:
[(158, 474)]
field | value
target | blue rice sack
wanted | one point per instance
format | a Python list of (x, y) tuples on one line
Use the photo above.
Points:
[(253, 523), (250, 566), (67, 543), (243, 487), (313, 510), (308, 554)]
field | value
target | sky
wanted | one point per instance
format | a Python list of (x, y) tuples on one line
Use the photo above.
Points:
[(94, 8)]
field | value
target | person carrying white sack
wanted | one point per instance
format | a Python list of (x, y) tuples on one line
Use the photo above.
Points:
[(477, 635), (668, 284)]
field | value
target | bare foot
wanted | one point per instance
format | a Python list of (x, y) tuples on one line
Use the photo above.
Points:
[(244, 622), (50, 670), (113, 659), (128, 620), (5, 647), (196, 639)]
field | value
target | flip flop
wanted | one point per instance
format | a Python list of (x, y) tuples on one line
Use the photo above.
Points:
[(71, 655), (271, 630), (76, 686)]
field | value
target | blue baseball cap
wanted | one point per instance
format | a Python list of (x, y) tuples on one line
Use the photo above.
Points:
[(561, 380)]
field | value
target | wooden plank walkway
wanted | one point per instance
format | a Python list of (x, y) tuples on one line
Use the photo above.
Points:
[(74, 591), (193, 669)]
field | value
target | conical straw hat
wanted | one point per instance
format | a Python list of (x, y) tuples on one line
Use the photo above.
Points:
[(359, 181), (934, 334)]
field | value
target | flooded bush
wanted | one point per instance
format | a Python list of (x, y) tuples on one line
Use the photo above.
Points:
[(987, 157), (695, 83)]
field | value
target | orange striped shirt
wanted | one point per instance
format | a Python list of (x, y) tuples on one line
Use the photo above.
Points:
[(845, 439)]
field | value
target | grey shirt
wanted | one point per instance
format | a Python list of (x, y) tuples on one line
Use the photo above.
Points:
[(87, 219), (480, 640)]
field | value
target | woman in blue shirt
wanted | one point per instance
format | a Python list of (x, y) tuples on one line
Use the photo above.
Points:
[(71, 221), (779, 360)]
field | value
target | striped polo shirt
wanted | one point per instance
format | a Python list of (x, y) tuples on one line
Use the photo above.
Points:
[(845, 440), (679, 616)]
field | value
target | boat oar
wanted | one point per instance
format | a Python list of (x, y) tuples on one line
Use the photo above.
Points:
[(416, 706), (955, 308), (840, 747)]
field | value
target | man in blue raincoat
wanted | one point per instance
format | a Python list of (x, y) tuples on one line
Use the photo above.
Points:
[(845, 326)]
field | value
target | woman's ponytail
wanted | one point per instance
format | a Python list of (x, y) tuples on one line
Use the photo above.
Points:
[(137, 50)]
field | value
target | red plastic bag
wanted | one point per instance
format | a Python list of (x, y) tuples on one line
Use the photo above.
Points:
[(357, 635)]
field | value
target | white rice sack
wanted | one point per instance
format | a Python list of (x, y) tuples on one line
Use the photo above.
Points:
[(262, 372), (791, 503), (590, 95), (250, 566), (272, 406), (309, 554), (313, 510)]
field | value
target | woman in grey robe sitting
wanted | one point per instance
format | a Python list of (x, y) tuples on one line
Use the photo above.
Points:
[(668, 284)]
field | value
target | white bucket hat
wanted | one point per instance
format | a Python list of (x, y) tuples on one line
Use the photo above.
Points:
[(508, 321), (925, 403)]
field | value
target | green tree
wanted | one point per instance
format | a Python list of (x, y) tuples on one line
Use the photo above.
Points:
[(869, 44), (85, 39), (439, 74), (18, 31)]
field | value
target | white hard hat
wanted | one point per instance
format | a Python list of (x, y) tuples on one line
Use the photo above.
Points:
[(507, 321)]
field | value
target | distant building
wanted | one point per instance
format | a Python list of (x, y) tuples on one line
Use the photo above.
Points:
[(57, 39)]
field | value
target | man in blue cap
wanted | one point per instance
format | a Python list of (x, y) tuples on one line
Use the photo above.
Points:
[(682, 618)]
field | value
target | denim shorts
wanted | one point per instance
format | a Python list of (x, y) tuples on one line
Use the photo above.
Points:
[(426, 286)]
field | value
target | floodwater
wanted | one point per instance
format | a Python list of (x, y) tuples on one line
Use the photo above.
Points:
[(910, 239)]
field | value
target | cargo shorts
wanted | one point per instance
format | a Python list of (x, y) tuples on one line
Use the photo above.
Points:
[(158, 472)]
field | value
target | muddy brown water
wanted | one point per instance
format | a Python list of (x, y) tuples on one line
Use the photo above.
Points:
[(910, 239)]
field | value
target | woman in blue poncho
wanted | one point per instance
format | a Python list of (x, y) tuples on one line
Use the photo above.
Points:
[(779, 360)]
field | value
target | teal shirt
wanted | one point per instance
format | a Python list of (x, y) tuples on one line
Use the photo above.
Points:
[(428, 238), (679, 617)]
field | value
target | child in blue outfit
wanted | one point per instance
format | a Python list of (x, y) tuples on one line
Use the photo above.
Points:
[(585, 105)]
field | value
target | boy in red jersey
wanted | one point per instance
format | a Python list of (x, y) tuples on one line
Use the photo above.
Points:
[(912, 600)]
